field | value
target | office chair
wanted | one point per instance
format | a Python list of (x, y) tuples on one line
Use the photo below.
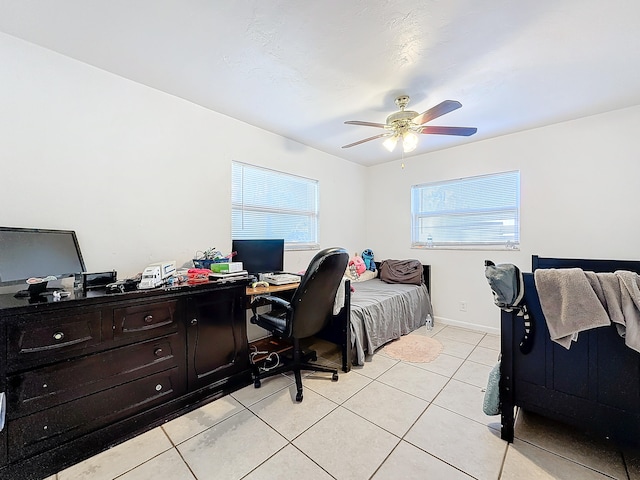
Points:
[(308, 312)]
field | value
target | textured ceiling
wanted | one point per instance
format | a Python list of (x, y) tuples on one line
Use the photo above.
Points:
[(301, 68)]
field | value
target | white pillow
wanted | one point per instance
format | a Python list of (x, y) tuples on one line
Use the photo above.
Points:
[(366, 275)]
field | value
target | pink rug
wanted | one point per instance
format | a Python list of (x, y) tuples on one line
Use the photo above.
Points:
[(414, 348)]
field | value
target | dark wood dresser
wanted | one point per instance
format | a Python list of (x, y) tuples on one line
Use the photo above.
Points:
[(83, 374)]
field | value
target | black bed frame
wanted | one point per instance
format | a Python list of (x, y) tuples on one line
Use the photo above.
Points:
[(594, 386), (339, 330)]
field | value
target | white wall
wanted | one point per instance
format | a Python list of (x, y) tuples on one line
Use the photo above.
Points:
[(143, 176), (579, 198), (140, 175)]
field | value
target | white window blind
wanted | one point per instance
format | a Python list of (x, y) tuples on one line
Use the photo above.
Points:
[(271, 204), (473, 212)]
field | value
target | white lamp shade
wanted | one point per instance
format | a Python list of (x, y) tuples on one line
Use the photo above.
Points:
[(409, 142), (390, 143)]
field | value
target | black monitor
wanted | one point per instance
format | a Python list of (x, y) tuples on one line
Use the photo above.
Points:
[(259, 256), (37, 253)]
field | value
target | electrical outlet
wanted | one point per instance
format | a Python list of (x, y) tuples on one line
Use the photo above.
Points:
[(463, 306)]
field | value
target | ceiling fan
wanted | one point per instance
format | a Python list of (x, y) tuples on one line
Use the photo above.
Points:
[(407, 124)]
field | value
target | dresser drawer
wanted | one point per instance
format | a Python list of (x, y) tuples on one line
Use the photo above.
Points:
[(34, 340), (46, 387), (49, 428), (145, 320)]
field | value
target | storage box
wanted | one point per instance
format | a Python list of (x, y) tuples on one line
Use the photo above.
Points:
[(227, 267), (207, 262)]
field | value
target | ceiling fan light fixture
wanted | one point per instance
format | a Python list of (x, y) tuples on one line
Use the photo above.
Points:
[(407, 124), (390, 143), (409, 141)]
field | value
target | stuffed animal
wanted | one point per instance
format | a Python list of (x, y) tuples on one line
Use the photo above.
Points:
[(358, 263), (369, 263)]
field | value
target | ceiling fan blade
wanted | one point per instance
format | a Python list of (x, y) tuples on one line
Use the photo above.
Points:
[(366, 124), (366, 140), (462, 131), (437, 111)]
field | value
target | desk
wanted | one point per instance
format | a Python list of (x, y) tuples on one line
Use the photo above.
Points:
[(271, 289), (85, 373), (276, 290)]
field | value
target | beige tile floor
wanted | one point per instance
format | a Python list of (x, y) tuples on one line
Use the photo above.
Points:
[(388, 419)]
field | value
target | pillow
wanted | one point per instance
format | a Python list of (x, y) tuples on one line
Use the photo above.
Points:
[(351, 273), (366, 275)]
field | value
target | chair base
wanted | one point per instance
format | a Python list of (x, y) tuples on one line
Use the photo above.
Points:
[(299, 362)]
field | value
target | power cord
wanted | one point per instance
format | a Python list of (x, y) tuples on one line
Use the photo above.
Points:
[(272, 358)]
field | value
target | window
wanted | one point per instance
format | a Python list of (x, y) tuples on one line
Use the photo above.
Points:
[(474, 212), (271, 204)]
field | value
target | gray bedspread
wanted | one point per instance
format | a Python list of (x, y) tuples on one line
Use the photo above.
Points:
[(381, 312)]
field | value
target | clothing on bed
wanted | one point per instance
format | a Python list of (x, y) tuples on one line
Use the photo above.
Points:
[(338, 303), (402, 271), (573, 301), (381, 312)]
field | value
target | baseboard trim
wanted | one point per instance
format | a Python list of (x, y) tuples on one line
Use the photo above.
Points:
[(467, 325)]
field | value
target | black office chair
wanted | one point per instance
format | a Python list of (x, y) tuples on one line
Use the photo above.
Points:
[(308, 312)]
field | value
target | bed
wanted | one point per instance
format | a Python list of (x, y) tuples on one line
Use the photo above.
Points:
[(594, 385), (375, 313)]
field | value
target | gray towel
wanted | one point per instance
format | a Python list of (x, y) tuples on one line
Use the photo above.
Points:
[(569, 302), (629, 327), (610, 283), (573, 301)]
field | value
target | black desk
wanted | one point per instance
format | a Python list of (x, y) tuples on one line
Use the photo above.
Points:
[(83, 374)]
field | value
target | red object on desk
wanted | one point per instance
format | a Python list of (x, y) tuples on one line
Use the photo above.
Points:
[(198, 275)]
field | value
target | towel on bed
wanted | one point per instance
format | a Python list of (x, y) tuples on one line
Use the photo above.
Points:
[(573, 300), (629, 325), (569, 303)]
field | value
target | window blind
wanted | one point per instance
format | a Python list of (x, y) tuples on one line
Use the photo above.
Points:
[(271, 204), (481, 212)]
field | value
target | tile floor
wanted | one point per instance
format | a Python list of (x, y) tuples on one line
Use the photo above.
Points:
[(388, 419)]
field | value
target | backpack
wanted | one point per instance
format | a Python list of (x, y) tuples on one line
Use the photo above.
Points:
[(507, 284), (367, 256), (491, 403)]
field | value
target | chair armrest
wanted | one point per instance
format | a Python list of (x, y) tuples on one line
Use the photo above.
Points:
[(260, 300)]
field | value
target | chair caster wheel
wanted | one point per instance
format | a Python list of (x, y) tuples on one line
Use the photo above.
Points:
[(299, 397), (334, 377), (256, 383)]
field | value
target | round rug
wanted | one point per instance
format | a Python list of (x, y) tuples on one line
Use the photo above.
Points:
[(414, 348)]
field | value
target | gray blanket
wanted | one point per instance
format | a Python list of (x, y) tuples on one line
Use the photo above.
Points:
[(573, 301), (381, 312)]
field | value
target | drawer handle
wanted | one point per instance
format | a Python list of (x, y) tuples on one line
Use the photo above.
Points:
[(194, 321), (58, 336), (148, 319), (157, 352), (158, 387)]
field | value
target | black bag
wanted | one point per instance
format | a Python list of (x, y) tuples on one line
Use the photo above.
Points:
[(507, 284)]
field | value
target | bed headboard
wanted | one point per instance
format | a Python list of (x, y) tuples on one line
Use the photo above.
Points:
[(585, 264), (426, 270)]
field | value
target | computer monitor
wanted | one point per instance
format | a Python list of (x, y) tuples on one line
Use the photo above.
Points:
[(259, 256), (38, 253)]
